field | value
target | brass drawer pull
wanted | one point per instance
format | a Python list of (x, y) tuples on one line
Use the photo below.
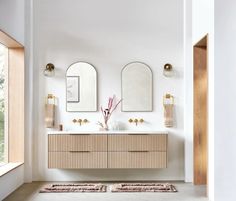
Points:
[(138, 151), (145, 134), (79, 151), (79, 134)]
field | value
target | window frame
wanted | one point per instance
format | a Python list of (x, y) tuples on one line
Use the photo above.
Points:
[(15, 104), (5, 92)]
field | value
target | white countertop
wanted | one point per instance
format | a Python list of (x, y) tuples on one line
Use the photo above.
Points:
[(106, 132)]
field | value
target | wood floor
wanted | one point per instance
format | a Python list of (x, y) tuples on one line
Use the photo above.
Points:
[(187, 192)]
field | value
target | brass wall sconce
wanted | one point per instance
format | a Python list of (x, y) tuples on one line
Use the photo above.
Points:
[(49, 70), (80, 121), (136, 121), (168, 70)]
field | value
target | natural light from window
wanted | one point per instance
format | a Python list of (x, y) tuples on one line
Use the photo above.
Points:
[(3, 140)]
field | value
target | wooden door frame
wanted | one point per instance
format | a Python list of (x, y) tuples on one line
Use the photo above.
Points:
[(200, 134)]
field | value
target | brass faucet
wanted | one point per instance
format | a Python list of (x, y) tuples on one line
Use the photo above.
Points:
[(136, 121), (80, 121)]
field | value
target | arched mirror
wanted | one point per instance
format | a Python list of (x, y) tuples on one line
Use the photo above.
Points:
[(81, 88), (136, 87)]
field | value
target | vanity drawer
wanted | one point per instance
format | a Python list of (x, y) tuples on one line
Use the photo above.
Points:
[(71, 160), (137, 159), (77, 142), (137, 142)]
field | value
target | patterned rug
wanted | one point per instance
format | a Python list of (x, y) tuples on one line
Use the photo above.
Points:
[(74, 188), (143, 187)]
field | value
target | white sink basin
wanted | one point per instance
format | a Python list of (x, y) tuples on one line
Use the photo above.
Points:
[(107, 132)]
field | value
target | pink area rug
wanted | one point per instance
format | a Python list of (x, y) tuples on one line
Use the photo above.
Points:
[(143, 187), (74, 188)]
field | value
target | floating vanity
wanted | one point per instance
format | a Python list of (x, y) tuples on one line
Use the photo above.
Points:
[(108, 149)]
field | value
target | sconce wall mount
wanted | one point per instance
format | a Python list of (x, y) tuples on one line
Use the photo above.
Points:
[(49, 70), (168, 70)]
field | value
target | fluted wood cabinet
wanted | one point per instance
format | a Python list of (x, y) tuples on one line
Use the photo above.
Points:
[(137, 151), (85, 151)]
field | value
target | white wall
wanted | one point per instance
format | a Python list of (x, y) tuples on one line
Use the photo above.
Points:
[(29, 92), (202, 23), (109, 34), (12, 18), (11, 181), (225, 94), (188, 86), (201, 20)]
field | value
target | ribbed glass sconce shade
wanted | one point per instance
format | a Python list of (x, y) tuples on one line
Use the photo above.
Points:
[(168, 70), (49, 70)]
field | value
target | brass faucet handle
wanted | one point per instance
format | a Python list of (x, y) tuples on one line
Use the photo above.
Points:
[(80, 121), (141, 120), (85, 121), (130, 120), (74, 121)]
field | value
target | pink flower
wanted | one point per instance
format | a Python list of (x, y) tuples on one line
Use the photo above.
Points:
[(108, 112)]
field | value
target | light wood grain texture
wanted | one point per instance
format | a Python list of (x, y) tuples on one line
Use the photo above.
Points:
[(6, 96), (137, 142), (77, 143), (73, 160), (107, 151), (137, 159), (200, 112), (8, 41), (16, 104)]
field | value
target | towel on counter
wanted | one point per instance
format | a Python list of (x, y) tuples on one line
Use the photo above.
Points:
[(49, 115), (169, 115)]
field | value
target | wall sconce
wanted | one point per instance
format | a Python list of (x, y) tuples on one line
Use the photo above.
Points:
[(49, 70), (168, 70)]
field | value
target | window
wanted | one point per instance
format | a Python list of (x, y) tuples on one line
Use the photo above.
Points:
[(3, 104), (12, 103)]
